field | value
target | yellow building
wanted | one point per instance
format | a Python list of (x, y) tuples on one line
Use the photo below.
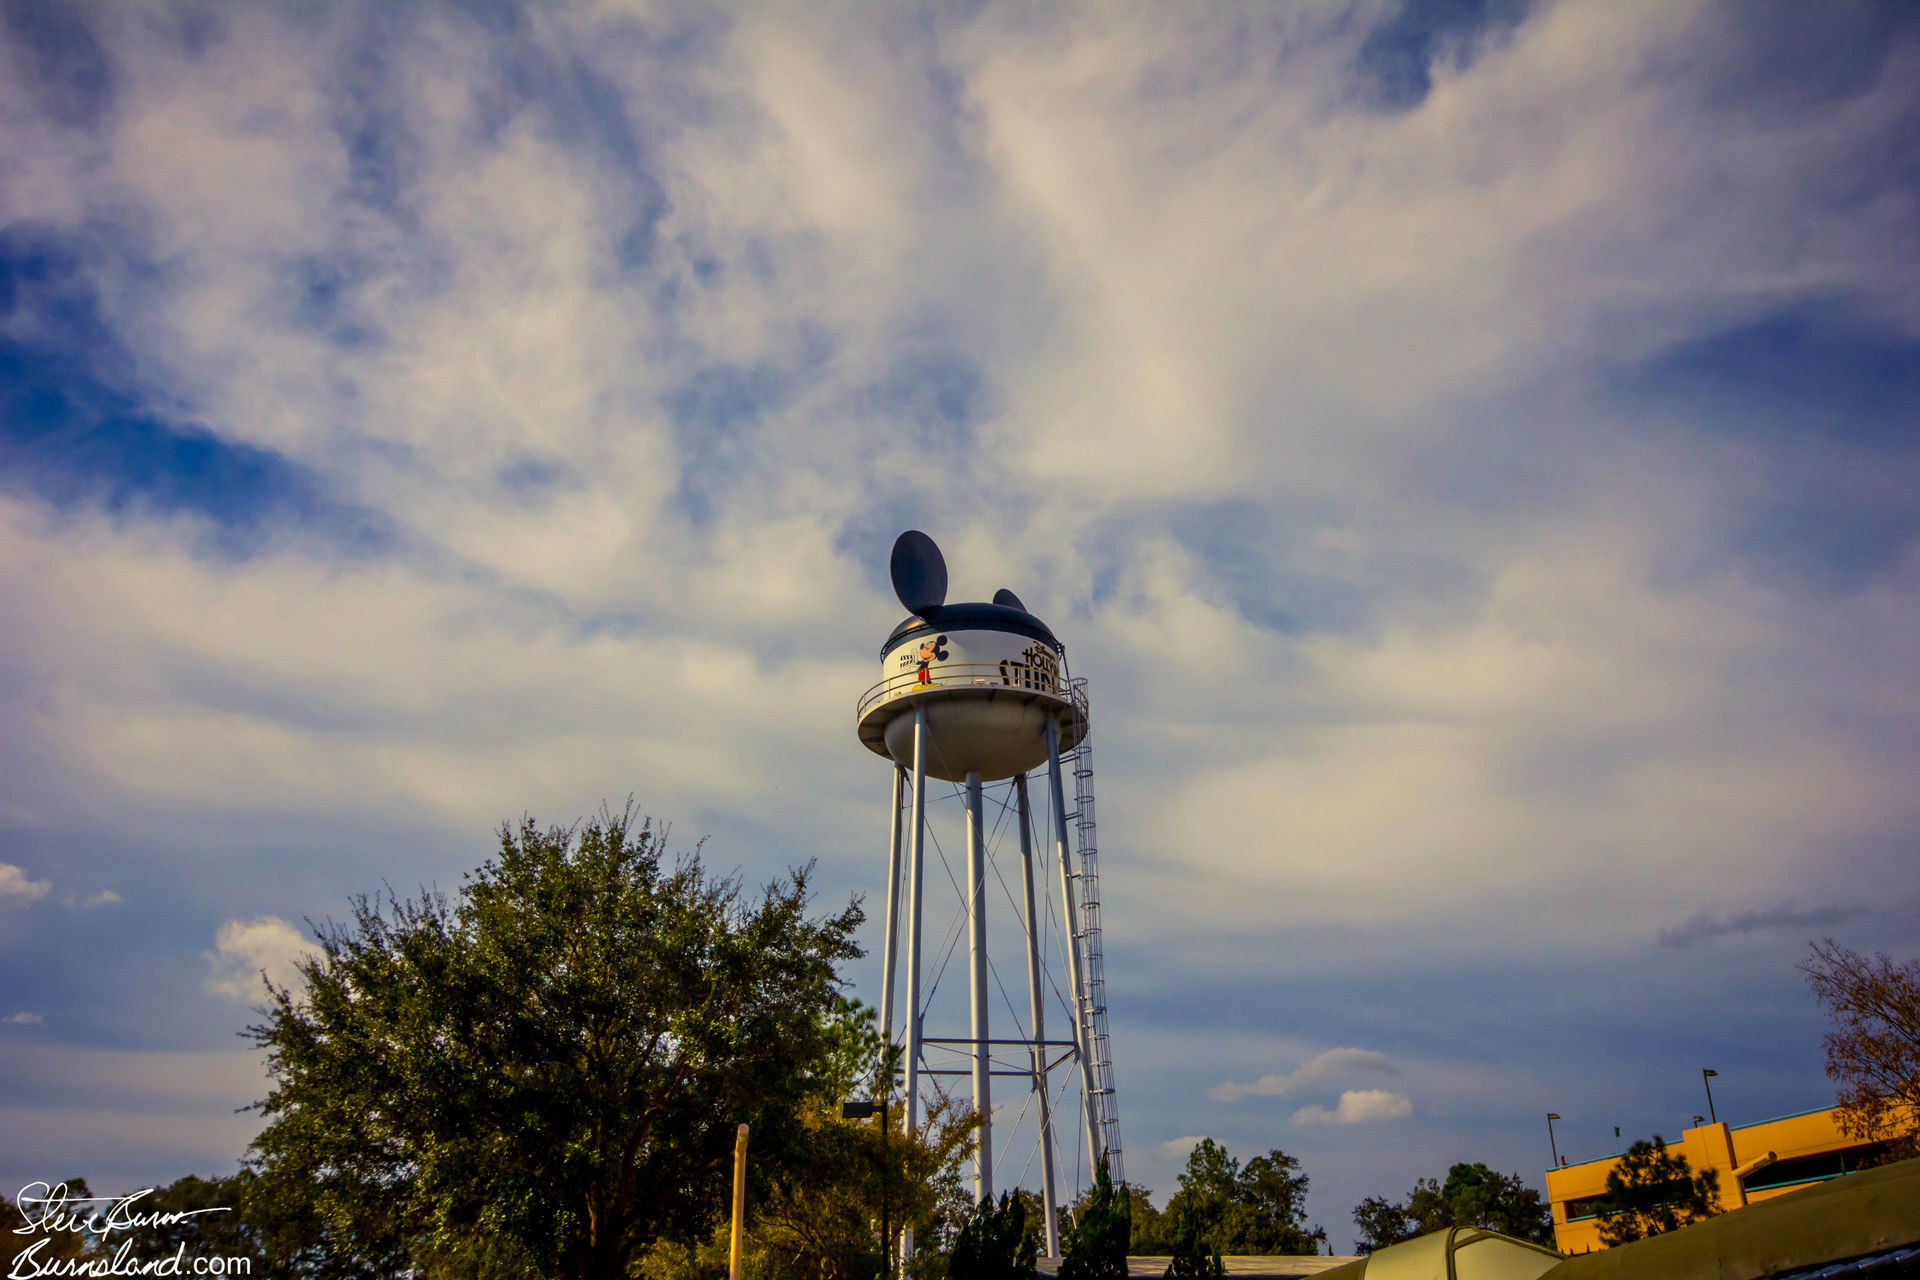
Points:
[(1756, 1162)]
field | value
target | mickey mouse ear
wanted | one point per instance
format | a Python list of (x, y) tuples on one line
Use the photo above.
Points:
[(1009, 600), (919, 572)]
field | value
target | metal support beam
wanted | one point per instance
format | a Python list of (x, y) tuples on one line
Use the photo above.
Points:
[(1048, 1192), (915, 892), (891, 961), (977, 988)]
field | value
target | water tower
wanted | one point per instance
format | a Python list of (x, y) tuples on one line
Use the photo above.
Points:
[(979, 695)]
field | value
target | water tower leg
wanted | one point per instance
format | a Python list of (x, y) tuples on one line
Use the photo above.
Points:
[(916, 883), (893, 914), (977, 951), (1082, 1038), (1048, 1193)]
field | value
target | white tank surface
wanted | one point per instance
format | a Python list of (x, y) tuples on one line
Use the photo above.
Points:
[(990, 677)]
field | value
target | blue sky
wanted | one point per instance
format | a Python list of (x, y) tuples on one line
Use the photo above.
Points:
[(1470, 448)]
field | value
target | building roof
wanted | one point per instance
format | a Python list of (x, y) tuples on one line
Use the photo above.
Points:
[(1274, 1266), (1873, 1212), (1866, 1224), (1458, 1253)]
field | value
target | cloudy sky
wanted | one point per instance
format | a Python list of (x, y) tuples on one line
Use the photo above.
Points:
[(1470, 449)]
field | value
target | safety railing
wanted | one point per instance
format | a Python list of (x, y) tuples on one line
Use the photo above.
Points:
[(965, 675)]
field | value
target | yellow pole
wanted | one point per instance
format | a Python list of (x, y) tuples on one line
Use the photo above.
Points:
[(739, 1201)]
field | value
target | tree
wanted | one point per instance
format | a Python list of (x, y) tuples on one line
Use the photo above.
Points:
[(1274, 1192), (1153, 1231), (994, 1243), (1382, 1222), (1653, 1190), (546, 1077), (1258, 1209), (820, 1217), (202, 1218), (37, 1228), (1472, 1196), (1098, 1234), (1873, 1050), (1192, 1259)]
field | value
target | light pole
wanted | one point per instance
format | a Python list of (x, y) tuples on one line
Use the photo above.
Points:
[(1706, 1078), (1551, 1144), (864, 1111)]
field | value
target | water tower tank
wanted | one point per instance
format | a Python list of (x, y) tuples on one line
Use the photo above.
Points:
[(989, 676)]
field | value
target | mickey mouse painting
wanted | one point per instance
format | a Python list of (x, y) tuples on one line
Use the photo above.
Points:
[(931, 651)]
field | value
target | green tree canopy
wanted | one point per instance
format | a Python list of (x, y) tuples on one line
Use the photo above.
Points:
[(1095, 1237), (545, 1077), (31, 1237), (1473, 1195), (819, 1218), (1192, 1259), (994, 1243), (1654, 1190), (1258, 1208)]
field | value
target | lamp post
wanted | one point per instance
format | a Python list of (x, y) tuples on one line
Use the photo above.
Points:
[(1706, 1078), (1551, 1144), (864, 1111)]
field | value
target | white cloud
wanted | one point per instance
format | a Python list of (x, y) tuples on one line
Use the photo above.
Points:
[(23, 1019), (1322, 1067), (104, 897), (1295, 417), (14, 884), (243, 949), (1177, 1148), (1358, 1106)]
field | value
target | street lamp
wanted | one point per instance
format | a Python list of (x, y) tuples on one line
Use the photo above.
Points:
[(864, 1111), (1551, 1117), (1706, 1078)]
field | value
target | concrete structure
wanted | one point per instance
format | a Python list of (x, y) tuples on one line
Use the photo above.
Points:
[(1756, 1162)]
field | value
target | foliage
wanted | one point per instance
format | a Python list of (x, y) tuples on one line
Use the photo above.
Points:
[(1653, 1190), (1153, 1230), (1095, 1240), (854, 1060), (1472, 1196), (994, 1243), (1873, 1050), (1256, 1209), (546, 1077), (1192, 1259), (819, 1218), (1382, 1222), (205, 1217), (27, 1229)]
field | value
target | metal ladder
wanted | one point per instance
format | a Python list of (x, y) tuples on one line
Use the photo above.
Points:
[(1093, 1000)]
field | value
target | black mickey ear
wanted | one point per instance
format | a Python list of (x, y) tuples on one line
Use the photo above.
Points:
[(1008, 599), (919, 572)]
